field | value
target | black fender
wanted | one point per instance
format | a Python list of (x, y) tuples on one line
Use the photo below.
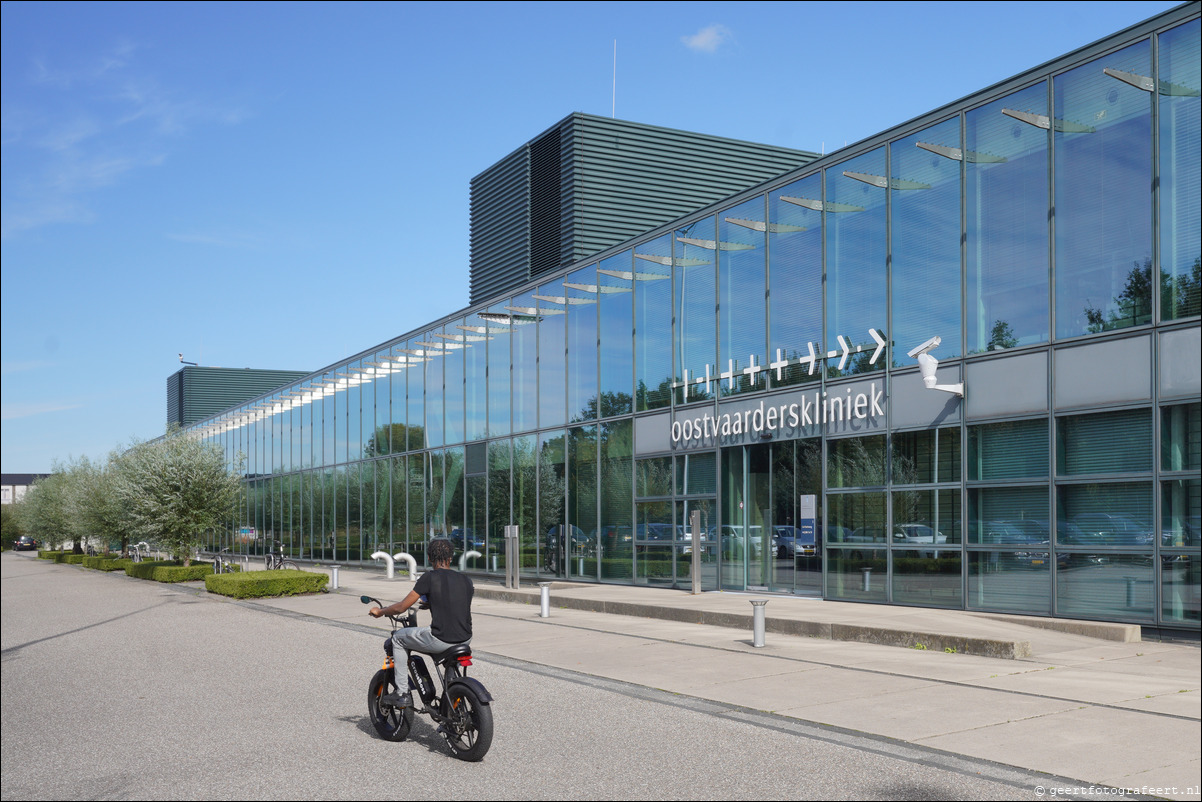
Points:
[(477, 687)]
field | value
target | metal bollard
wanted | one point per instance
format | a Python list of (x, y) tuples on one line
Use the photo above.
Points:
[(333, 577), (757, 622), (866, 582), (544, 601)]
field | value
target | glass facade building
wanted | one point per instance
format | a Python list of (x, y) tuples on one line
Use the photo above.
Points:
[(751, 363)]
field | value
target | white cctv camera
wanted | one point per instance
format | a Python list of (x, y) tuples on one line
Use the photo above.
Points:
[(929, 345), (929, 365)]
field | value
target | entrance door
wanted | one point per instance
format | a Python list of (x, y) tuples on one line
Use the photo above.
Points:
[(745, 543), (770, 533)]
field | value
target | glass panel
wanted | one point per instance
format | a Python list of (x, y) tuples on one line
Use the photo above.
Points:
[(435, 412), (856, 462), (795, 279), (1007, 204), (654, 477), (697, 474), (1011, 450), (615, 310), (550, 304), (925, 238), (380, 437), (499, 377), (397, 418), (525, 363), (400, 505), (695, 307), (453, 489), (1103, 149), (742, 295), (1180, 171), (919, 577), (856, 574), (552, 485), (582, 501), (855, 518), (1111, 586), (473, 539), (436, 500), (582, 345), (1094, 515), (856, 260), (1181, 513), (499, 453), (1008, 515), (525, 500), (913, 457), (1109, 442), (416, 378), (653, 324), (1180, 443), (416, 526), (654, 544), (453, 377), (474, 335), (1020, 582), (617, 494), (354, 410), (917, 522), (1180, 589)]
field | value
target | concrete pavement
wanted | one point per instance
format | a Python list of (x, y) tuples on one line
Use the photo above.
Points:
[(1068, 698)]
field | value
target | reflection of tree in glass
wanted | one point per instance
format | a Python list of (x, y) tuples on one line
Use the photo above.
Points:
[(1001, 336), (1132, 307), (395, 438), (1179, 295)]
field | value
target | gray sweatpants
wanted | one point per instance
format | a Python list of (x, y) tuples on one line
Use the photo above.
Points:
[(420, 639)]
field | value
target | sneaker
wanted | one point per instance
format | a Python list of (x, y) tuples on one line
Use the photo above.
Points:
[(397, 699)]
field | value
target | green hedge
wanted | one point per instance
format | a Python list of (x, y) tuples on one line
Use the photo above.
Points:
[(145, 569), (105, 563), (258, 584), (46, 554), (72, 559)]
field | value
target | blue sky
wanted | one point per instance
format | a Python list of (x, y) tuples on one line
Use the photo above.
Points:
[(283, 185)]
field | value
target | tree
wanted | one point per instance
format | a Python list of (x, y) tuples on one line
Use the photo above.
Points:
[(176, 488), (97, 511), (44, 509)]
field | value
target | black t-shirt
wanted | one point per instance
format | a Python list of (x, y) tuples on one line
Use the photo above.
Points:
[(450, 596)]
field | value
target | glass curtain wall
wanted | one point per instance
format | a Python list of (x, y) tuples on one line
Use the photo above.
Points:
[(1180, 113), (742, 287), (795, 280)]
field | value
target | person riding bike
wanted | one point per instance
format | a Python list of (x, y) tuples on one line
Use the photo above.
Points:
[(448, 594)]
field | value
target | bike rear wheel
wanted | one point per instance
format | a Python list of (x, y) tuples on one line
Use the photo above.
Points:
[(468, 726), (392, 723), (289, 564)]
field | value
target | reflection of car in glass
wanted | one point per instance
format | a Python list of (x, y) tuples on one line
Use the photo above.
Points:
[(25, 543), (795, 541), (732, 540), (1181, 533), (467, 540), (1111, 529)]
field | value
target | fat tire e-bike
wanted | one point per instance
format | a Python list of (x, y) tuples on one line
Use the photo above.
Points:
[(459, 704)]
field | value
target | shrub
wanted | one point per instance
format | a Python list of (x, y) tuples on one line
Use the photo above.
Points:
[(145, 569), (47, 554), (72, 559), (259, 584), (101, 563)]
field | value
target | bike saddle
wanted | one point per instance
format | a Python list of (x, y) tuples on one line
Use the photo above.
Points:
[(461, 650)]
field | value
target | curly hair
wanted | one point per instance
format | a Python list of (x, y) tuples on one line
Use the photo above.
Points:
[(440, 550)]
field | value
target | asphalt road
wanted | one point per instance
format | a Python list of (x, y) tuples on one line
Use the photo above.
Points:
[(116, 688)]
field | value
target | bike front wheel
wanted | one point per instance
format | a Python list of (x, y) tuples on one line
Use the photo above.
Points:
[(392, 723), (290, 565), (468, 726)]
